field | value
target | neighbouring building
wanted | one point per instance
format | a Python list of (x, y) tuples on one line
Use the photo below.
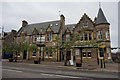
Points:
[(97, 30), (7, 39)]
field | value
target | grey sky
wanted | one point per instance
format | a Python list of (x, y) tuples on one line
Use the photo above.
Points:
[(14, 12)]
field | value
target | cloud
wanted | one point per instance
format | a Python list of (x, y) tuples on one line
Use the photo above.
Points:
[(14, 12)]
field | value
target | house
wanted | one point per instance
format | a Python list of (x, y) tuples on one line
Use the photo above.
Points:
[(97, 30), (8, 38)]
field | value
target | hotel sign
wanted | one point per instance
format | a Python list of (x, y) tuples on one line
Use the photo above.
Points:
[(42, 39)]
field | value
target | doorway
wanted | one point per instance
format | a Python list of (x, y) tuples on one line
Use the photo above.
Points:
[(68, 55), (24, 54)]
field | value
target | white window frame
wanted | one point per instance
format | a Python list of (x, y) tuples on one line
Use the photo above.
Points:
[(33, 55), (34, 36), (107, 35), (99, 35), (50, 36), (46, 55), (67, 37)]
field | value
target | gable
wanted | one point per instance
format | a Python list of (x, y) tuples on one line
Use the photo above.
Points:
[(35, 32)]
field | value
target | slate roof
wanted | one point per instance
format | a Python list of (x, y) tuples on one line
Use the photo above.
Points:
[(30, 27), (70, 26), (101, 18)]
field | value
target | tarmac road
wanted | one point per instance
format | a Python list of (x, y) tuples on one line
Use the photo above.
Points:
[(26, 70)]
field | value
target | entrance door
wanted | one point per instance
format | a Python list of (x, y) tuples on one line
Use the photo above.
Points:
[(60, 55), (68, 55), (24, 54)]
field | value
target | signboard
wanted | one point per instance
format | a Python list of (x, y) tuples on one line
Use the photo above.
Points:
[(71, 62), (77, 52), (102, 46), (42, 39)]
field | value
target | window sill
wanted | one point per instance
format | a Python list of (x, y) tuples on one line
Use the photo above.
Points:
[(89, 57), (33, 56)]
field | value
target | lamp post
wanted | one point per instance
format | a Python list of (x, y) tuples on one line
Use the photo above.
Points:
[(40, 45)]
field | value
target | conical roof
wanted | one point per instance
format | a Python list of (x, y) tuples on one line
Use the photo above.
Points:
[(101, 18)]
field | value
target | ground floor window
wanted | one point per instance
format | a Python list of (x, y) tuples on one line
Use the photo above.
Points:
[(108, 53), (50, 54), (18, 54), (34, 54), (46, 54), (89, 54), (84, 54)]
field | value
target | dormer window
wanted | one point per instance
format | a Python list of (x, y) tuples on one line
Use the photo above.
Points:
[(35, 38), (56, 24), (50, 24), (85, 24), (49, 37), (67, 37), (81, 37)]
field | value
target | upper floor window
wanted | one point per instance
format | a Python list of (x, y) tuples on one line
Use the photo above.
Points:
[(90, 36), (49, 37), (85, 34), (81, 37), (85, 24), (35, 38), (67, 37), (99, 34), (107, 36)]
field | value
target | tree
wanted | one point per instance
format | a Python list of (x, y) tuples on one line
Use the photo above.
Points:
[(32, 48)]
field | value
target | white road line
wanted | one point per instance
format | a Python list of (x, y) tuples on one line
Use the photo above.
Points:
[(67, 76), (60, 75), (11, 70)]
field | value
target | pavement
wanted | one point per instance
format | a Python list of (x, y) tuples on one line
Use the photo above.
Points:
[(110, 67)]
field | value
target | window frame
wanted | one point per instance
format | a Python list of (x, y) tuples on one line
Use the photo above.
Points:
[(99, 35), (90, 35), (86, 36), (67, 37), (88, 54), (34, 54), (83, 54)]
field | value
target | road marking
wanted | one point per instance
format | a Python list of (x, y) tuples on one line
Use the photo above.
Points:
[(60, 75), (67, 76), (11, 70)]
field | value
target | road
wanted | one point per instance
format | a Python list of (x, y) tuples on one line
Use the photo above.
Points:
[(26, 70)]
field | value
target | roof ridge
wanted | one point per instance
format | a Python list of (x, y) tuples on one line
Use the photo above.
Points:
[(43, 22)]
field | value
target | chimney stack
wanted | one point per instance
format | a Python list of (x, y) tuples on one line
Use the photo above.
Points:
[(24, 23)]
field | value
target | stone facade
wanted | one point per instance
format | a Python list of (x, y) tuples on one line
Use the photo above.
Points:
[(96, 30)]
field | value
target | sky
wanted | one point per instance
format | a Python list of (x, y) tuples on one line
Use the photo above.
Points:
[(35, 12)]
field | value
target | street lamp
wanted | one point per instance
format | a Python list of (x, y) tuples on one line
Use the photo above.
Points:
[(40, 45)]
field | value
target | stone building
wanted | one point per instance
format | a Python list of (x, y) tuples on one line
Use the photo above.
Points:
[(8, 38), (97, 30)]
